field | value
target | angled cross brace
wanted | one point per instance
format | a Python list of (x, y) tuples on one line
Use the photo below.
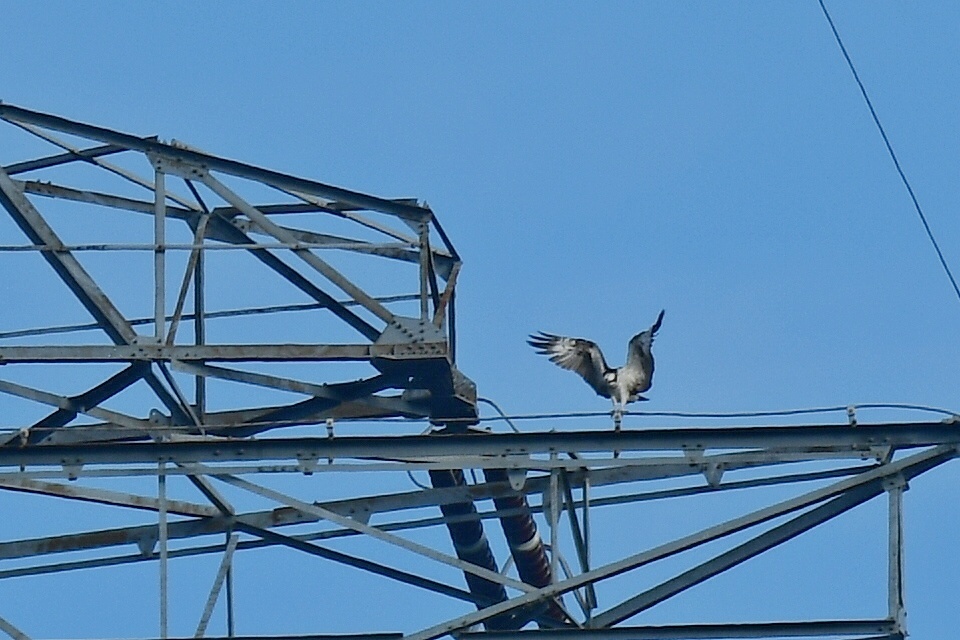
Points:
[(76, 278), (12, 631), (136, 425), (359, 563), (908, 467), (445, 263), (64, 158), (374, 532), (90, 398), (66, 266), (332, 392), (306, 255), (741, 553), (231, 234), (217, 586), (581, 539), (103, 496)]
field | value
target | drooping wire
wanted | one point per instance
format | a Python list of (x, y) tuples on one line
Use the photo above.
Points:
[(500, 411), (893, 156), (410, 473)]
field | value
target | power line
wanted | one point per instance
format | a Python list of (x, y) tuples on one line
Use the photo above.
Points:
[(893, 156)]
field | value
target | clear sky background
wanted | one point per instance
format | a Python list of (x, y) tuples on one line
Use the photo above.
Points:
[(593, 163)]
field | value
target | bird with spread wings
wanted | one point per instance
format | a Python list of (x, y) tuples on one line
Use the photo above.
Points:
[(623, 384)]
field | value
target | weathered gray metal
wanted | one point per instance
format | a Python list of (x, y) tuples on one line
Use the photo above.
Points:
[(818, 629), (409, 358), (861, 441), (231, 222)]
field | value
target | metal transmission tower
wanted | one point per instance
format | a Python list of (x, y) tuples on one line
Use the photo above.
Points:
[(223, 381)]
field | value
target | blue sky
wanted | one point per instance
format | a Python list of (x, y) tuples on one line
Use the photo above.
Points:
[(593, 163)]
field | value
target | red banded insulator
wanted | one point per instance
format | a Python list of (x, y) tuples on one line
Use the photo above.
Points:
[(471, 545), (529, 553)]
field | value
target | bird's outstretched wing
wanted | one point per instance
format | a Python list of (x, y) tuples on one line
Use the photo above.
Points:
[(575, 354)]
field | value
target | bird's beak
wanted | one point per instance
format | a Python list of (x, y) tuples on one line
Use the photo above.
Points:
[(656, 325)]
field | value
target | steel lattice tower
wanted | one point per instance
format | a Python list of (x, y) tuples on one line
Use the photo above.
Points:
[(195, 373)]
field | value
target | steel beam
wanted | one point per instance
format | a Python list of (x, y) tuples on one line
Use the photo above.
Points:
[(855, 440), (739, 554), (360, 563), (164, 550), (909, 467), (895, 593), (63, 192), (231, 234), (278, 232), (88, 399), (64, 263), (64, 158), (217, 586), (103, 496), (375, 532), (229, 167), (68, 405), (334, 392), (12, 631), (205, 353), (816, 629), (103, 164), (367, 506)]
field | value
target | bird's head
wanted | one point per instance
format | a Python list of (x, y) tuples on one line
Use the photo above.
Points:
[(656, 325), (644, 339)]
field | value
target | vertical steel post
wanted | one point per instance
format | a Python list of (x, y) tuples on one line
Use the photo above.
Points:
[(162, 497), (452, 326), (200, 334), (896, 609), (159, 256), (230, 619), (591, 595), (554, 513), (424, 229)]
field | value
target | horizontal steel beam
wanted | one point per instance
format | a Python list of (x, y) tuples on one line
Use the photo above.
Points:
[(443, 260), (402, 209), (701, 631), (861, 438), (307, 636), (366, 506), (211, 353)]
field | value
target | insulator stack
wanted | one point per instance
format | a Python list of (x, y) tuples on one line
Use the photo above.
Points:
[(471, 545), (529, 553)]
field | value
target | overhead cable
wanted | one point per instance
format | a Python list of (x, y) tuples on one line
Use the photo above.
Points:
[(893, 156)]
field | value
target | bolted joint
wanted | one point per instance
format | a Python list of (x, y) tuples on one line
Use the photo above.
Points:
[(176, 166), (895, 482)]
